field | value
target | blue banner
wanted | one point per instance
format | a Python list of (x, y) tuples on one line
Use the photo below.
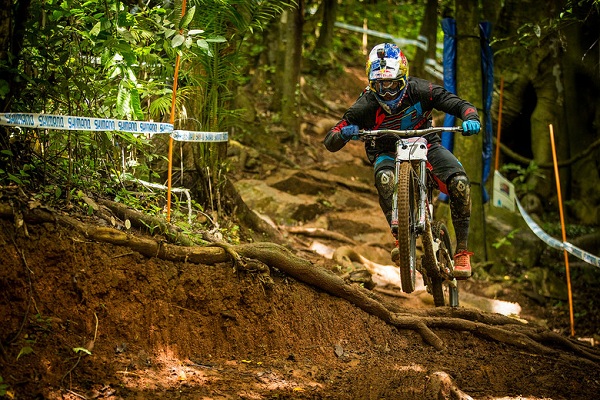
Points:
[(487, 70), (487, 74), (449, 62)]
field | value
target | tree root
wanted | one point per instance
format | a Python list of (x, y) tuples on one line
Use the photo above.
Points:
[(441, 386), (319, 233), (144, 221), (262, 255)]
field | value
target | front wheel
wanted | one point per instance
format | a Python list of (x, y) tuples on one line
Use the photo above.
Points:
[(408, 190), (445, 292)]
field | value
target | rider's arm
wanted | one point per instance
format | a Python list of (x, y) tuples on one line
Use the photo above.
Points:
[(362, 113), (452, 104), (333, 140), (447, 102)]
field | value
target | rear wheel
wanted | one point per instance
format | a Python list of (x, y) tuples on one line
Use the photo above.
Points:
[(407, 237), (444, 292)]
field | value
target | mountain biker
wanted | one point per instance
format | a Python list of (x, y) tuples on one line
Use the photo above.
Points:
[(395, 100)]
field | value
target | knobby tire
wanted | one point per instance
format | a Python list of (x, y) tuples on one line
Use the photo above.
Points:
[(443, 293), (407, 237)]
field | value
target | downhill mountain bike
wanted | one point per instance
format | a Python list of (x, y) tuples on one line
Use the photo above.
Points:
[(412, 216)]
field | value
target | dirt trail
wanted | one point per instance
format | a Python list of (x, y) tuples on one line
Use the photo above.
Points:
[(82, 319)]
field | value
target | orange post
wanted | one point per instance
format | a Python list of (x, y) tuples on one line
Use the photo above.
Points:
[(172, 121), (564, 234), (497, 161)]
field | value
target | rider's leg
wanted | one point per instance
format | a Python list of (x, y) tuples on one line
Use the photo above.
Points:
[(449, 170), (384, 182), (459, 191)]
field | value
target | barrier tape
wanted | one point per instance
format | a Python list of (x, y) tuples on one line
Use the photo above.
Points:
[(557, 244), (194, 136), (66, 122)]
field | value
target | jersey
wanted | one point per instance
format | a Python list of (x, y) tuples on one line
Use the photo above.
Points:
[(414, 112)]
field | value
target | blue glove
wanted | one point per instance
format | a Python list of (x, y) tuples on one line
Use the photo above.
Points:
[(349, 132), (470, 128)]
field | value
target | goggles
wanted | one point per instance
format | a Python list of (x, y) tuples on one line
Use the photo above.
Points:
[(388, 89)]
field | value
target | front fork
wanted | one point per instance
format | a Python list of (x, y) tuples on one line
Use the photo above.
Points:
[(421, 212)]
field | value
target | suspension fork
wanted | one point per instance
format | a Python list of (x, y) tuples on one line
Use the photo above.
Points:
[(422, 211), (394, 222)]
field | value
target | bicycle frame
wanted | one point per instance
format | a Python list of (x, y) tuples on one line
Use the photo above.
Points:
[(417, 215)]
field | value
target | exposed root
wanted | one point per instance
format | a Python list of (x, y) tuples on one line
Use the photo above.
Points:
[(260, 256)]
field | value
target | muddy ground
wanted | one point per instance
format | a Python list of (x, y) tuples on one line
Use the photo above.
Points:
[(82, 319)]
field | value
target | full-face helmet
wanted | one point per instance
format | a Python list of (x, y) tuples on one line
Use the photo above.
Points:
[(387, 71)]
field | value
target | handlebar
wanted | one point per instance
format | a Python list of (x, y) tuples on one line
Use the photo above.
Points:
[(372, 134)]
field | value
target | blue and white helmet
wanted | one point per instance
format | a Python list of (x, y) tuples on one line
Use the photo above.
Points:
[(387, 71)]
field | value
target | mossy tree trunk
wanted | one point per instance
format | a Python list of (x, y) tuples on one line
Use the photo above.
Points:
[(469, 87), (551, 77), (324, 42), (582, 121), (12, 20), (292, 61), (429, 28)]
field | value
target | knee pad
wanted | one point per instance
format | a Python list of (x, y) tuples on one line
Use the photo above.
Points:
[(459, 185), (459, 191), (384, 182)]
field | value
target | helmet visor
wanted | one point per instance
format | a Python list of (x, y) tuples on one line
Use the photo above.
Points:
[(388, 89)]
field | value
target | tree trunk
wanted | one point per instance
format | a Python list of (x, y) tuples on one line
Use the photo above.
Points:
[(546, 74), (428, 30), (329, 8), (548, 110), (12, 31), (469, 84), (580, 64), (5, 29), (290, 84)]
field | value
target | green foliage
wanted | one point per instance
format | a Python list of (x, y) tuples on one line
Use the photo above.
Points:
[(82, 351), (506, 240), (88, 59), (532, 34), (24, 351), (116, 60), (217, 64), (579, 9), (3, 387), (405, 23), (554, 228), (520, 176)]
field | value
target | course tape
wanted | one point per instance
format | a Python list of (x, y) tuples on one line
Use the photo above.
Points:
[(194, 136), (66, 122), (557, 244)]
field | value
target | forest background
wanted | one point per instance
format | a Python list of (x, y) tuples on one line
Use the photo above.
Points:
[(254, 69), (258, 70)]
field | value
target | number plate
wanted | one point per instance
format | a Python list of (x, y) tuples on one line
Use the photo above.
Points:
[(412, 149)]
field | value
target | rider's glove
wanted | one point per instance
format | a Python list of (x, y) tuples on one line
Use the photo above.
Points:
[(349, 132), (470, 127)]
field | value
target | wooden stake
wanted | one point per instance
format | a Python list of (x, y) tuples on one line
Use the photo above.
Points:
[(564, 234)]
